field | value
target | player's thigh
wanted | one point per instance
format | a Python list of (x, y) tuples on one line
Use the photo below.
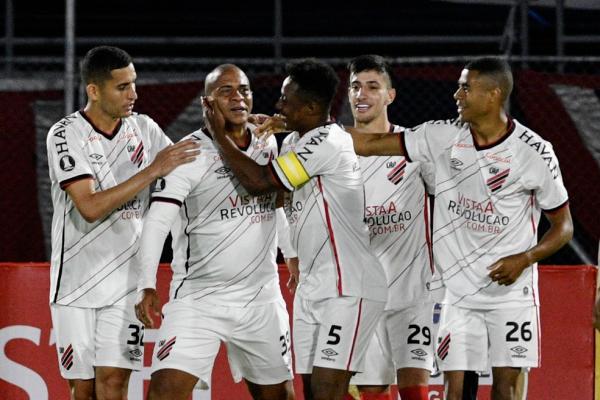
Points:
[(378, 364), (514, 337), (75, 330), (346, 325), (189, 338), (412, 336), (462, 340), (119, 338), (259, 349)]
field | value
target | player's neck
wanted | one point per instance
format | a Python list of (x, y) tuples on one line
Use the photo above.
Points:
[(377, 125), (239, 135), (488, 131), (100, 119)]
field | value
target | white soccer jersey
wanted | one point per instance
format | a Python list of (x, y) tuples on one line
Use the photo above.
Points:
[(488, 202), (224, 243), (397, 214), (91, 263), (326, 216)]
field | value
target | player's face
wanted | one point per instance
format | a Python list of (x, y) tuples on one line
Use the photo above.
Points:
[(291, 105), (116, 96), (369, 95), (232, 92), (473, 96)]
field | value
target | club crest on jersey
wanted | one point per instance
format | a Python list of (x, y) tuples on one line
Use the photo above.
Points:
[(397, 173), (66, 359), (444, 347), (165, 348), (67, 163), (137, 153), (496, 181)]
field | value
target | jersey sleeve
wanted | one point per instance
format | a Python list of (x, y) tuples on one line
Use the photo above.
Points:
[(543, 176), (426, 141), (311, 158), (67, 159), (178, 184), (159, 140)]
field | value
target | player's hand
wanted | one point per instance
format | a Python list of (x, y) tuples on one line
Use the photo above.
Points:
[(258, 119), (213, 117), (175, 155), (507, 270), (597, 314), (292, 283), (148, 308), (271, 126)]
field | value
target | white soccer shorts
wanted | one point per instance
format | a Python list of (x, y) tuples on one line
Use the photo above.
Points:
[(333, 333), (476, 340), (96, 337), (257, 340), (403, 339)]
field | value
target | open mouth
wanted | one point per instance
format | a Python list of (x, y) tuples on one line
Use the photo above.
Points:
[(362, 107)]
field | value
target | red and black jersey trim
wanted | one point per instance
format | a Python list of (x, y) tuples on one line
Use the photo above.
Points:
[(166, 200), (69, 181), (551, 210), (110, 135), (510, 127)]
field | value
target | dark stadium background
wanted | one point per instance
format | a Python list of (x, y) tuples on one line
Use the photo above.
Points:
[(157, 20)]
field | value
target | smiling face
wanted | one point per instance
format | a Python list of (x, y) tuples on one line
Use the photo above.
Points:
[(474, 96), (369, 95), (292, 106), (116, 96), (231, 89)]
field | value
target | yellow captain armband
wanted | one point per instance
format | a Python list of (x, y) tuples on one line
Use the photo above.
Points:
[(293, 169)]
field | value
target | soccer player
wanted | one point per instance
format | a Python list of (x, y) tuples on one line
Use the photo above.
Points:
[(225, 286), (398, 218), (341, 293), (101, 161), (493, 178)]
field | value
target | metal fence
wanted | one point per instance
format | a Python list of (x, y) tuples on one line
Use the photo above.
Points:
[(556, 97)]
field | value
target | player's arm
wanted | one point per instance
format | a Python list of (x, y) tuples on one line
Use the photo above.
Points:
[(506, 270), (157, 224), (376, 144), (255, 178), (94, 205)]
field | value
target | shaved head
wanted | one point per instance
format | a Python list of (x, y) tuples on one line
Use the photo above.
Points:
[(214, 75), (496, 72)]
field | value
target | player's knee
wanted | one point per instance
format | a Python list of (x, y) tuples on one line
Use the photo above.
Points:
[(111, 386), (503, 390), (82, 390)]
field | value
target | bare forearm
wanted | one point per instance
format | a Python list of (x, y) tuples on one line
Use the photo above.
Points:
[(377, 144), (98, 204), (255, 178), (559, 234)]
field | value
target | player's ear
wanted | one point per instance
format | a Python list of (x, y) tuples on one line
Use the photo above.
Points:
[(93, 91), (391, 96)]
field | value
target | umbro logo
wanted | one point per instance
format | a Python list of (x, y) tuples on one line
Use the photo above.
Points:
[(96, 156), (456, 164), (222, 171), (519, 349), (329, 352), (419, 352)]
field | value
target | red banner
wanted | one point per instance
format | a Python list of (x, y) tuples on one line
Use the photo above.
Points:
[(29, 370)]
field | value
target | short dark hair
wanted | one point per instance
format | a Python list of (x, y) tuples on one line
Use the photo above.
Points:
[(316, 81), (372, 62), (98, 63), (497, 70)]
